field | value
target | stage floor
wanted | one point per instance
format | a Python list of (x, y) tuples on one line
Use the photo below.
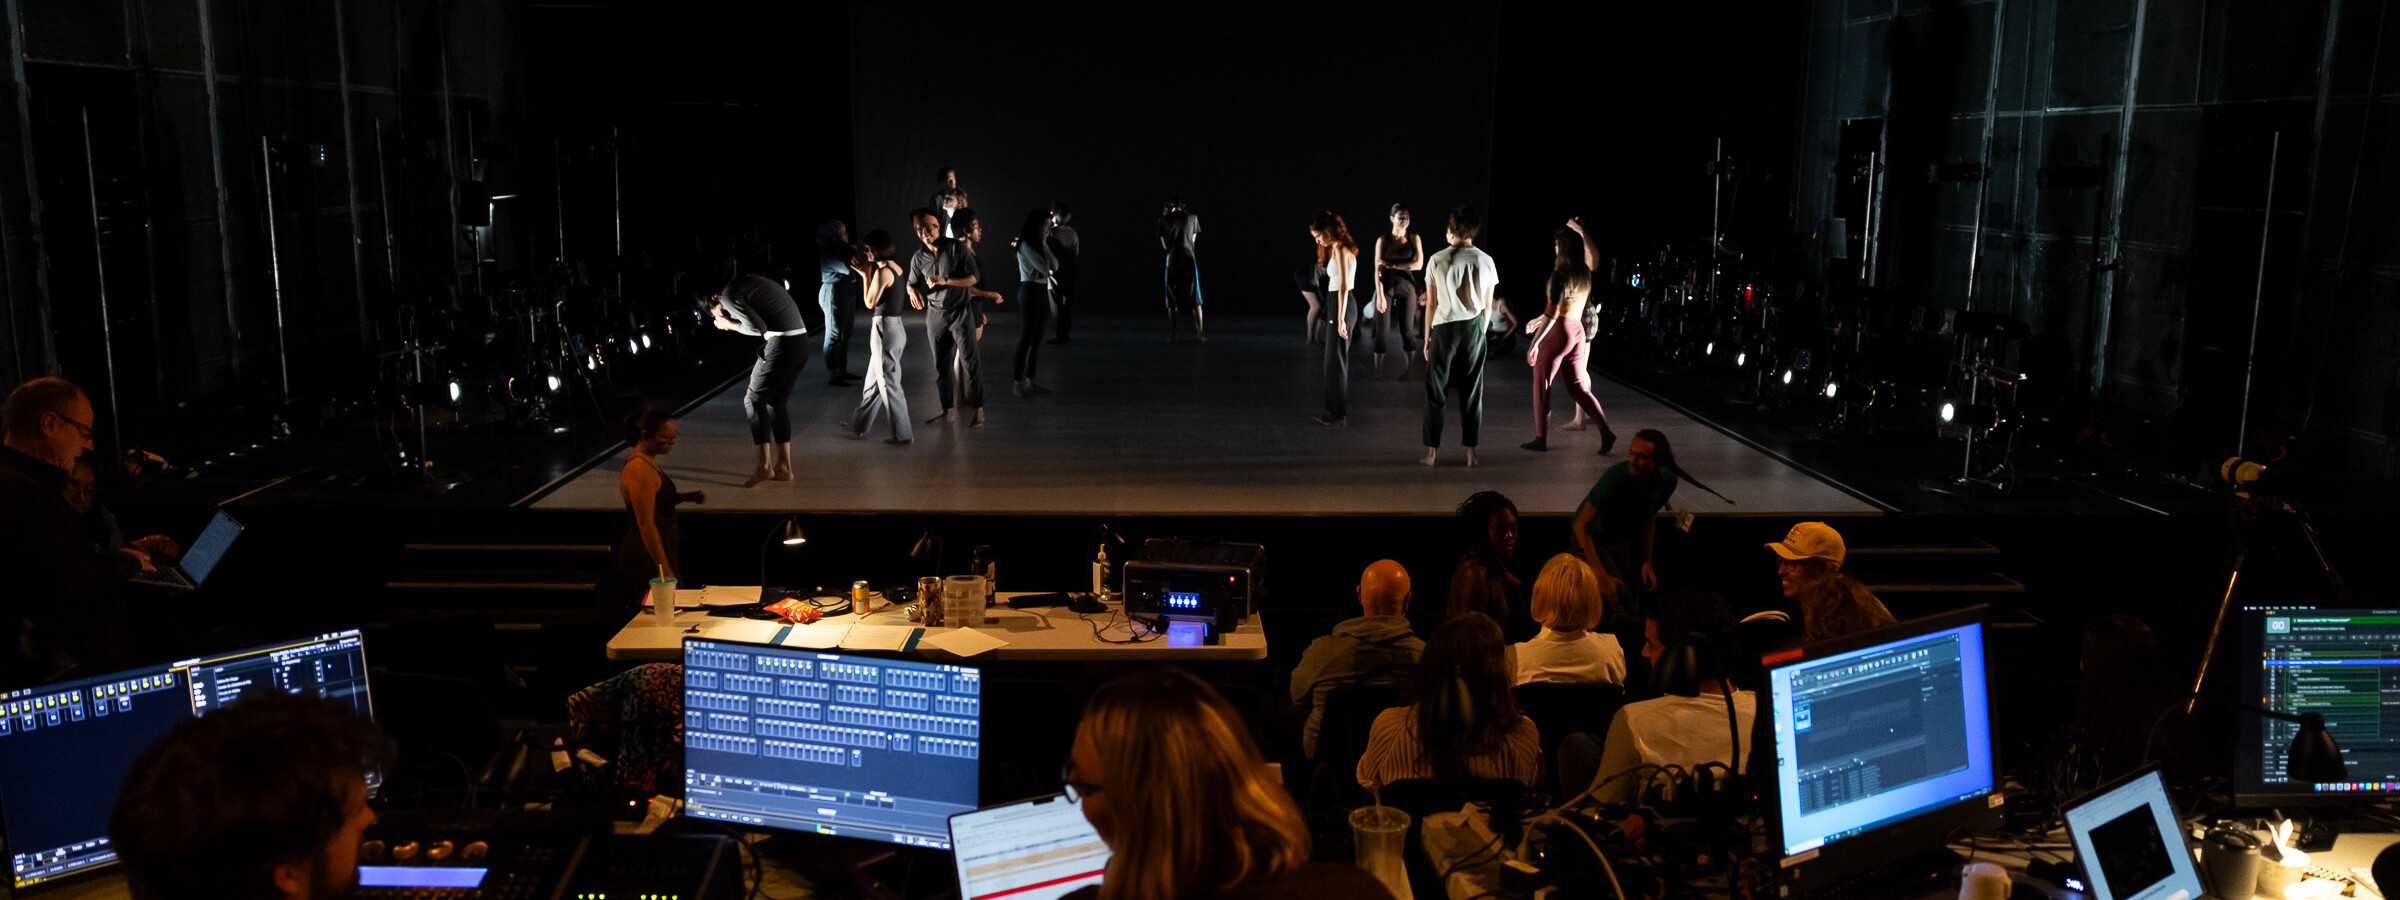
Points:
[(1138, 426)]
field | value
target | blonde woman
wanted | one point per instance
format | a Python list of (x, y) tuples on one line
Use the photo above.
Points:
[(1166, 773), (1566, 600)]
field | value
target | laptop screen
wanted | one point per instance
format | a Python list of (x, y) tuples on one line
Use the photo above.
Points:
[(1036, 849), (210, 546), (2129, 843)]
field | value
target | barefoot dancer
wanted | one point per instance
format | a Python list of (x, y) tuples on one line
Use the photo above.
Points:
[(758, 306), (1558, 343)]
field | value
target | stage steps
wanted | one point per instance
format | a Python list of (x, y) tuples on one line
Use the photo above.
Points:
[(1919, 574)]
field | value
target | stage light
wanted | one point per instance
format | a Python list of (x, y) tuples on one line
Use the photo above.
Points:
[(455, 391), (1740, 358), (1830, 388), (1710, 350), (1949, 412), (592, 362), (791, 532), (645, 340), (554, 382), (1787, 376)]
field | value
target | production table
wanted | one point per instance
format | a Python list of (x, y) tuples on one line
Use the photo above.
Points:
[(1040, 633)]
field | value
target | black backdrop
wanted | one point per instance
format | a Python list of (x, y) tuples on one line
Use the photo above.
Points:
[(1256, 121)]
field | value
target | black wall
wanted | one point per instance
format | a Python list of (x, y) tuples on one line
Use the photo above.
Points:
[(1256, 119)]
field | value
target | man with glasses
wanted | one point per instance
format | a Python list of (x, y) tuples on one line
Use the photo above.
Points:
[(62, 617)]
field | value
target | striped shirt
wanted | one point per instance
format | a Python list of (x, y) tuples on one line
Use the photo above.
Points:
[(1393, 752)]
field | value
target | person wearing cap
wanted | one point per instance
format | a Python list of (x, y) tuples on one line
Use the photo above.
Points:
[(1830, 603)]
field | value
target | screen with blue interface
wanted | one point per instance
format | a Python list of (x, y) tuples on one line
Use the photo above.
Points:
[(830, 743), (1880, 734), (65, 748), (2341, 663)]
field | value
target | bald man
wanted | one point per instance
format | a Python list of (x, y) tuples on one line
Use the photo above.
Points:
[(1379, 637)]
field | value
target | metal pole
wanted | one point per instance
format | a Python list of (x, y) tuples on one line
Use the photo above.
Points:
[(358, 263), (108, 339), (216, 167), (2116, 199), (383, 181), (33, 186), (1983, 184), (283, 363), (558, 197), (2258, 293), (616, 169), (1716, 203), (1866, 254)]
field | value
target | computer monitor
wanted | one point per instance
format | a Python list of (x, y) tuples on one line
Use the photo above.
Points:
[(2130, 843), (2341, 663), (65, 747), (1883, 747), (829, 743)]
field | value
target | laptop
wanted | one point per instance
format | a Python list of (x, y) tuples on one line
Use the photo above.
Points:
[(2130, 843), (1038, 849), (198, 561)]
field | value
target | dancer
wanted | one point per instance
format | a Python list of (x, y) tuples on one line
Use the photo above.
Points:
[(947, 198), (1399, 256), (1459, 284), (940, 276), (837, 297), (1337, 260), (758, 306), (887, 339), (1035, 270), (970, 233), (1178, 231), (653, 540), (1558, 343), (1067, 247), (1310, 278)]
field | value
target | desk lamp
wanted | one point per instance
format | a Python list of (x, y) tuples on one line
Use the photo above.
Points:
[(928, 549), (787, 533)]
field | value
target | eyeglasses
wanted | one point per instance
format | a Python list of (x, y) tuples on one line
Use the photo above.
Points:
[(79, 426), (1076, 790)]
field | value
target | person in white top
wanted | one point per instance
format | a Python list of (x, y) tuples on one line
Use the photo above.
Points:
[(1458, 293), (1337, 260), (1685, 637), (1566, 600)]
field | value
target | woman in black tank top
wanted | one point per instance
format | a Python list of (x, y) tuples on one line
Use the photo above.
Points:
[(1399, 258), (652, 544)]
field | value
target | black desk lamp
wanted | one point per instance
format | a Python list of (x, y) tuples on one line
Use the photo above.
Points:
[(928, 549), (787, 533), (2312, 758)]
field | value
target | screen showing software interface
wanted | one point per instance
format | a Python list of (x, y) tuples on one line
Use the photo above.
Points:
[(1035, 850), (2343, 664), (1872, 736), (847, 745), (65, 748), (2128, 846)]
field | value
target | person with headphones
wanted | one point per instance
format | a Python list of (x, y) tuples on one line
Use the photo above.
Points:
[(1687, 636), (1380, 637)]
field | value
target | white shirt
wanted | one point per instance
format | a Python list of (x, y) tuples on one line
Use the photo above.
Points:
[(1671, 730), (1575, 657), (1458, 276), (1338, 274)]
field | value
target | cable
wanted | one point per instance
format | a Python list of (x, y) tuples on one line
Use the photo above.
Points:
[(1603, 857), (1142, 638)]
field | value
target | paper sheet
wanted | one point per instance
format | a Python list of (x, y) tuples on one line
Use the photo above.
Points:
[(815, 637), (753, 631), (876, 637), (962, 641)]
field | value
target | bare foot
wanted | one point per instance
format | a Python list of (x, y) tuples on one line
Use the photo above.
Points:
[(942, 419), (782, 473), (1578, 425), (849, 432), (1428, 460), (1470, 457), (758, 475), (978, 422)]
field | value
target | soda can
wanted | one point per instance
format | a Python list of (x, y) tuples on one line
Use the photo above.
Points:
[(858, 597)]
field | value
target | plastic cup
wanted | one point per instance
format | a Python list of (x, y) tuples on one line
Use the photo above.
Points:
[(662, 601), (1381, 835), (2275, 878)]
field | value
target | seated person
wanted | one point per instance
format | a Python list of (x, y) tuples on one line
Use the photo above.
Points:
[(1688, 727), (265, 798), (1167, 774), (1438, 733), (1481, 581), (1831, 604), (1566, 600), (1381, 637)]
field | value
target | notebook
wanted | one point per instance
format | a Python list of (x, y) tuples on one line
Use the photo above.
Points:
[(1038, 849)]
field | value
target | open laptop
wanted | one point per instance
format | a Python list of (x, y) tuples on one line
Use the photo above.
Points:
[(202, 558), (2131, 844), (1038, 849)]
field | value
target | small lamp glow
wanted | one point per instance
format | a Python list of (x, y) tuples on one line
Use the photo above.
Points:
[(1832, 387), (1949, 412)]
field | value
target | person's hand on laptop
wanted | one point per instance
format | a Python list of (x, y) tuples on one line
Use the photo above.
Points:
[(157, 547), (141, 559)]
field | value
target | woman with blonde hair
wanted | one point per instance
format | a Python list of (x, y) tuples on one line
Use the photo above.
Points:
[(1566, 600), (1167, 774)]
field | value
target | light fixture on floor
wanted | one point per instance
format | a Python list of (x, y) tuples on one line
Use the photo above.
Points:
[(1739, 359), (1832, 387), (1949, 412), (1787, 376), (786, 534)]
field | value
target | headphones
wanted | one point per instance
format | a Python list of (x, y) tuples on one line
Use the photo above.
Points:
[(1681, 667)]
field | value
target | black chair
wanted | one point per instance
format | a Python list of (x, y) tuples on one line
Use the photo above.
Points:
[(1028, 731), (1350, 710), (1561, 709)]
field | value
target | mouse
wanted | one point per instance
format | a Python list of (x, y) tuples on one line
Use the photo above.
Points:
[(1085, 603)]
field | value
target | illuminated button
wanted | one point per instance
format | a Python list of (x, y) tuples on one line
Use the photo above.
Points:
[(404, 850), (372, 851), (474, 851), (439, 850)]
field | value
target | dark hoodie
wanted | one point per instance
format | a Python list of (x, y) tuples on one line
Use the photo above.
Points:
[(1355, 646)]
